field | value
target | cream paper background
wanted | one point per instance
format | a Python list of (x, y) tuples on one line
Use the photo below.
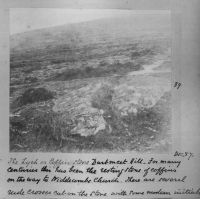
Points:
[(185, 15)]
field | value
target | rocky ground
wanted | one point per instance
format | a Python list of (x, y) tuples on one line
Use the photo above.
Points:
[(116, 113), (112, 97)]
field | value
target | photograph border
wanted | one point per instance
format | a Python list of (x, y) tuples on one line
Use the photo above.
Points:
[(97, 4)]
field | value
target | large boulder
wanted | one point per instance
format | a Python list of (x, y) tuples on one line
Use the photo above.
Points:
[(88, 120)]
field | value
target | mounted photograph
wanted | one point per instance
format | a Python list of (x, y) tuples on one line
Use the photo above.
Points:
[(90, 80)]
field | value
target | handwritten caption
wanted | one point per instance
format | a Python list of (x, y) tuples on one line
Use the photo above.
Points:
[(34, 174)]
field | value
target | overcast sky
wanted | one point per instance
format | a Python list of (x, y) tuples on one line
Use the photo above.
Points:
[(26, 19)]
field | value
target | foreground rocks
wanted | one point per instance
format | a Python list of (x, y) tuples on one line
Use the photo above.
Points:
[(96, 106)]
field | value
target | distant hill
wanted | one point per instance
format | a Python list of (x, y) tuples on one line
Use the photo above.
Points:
[(102, 30), (87, 40)]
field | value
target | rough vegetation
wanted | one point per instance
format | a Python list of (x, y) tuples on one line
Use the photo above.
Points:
[(33, 95), (90, 88), (55, 131), (106, 70)]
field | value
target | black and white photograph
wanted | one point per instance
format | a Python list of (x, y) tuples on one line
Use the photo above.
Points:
[(90, 80)]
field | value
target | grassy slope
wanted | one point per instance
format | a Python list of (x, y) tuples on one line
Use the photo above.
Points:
[(84, 56)]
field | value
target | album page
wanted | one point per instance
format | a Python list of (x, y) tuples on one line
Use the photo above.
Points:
[(99, 99)]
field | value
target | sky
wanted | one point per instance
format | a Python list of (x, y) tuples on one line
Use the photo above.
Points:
[(26, 19)]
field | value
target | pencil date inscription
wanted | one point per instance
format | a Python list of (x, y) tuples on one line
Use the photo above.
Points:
[(187, 155)]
